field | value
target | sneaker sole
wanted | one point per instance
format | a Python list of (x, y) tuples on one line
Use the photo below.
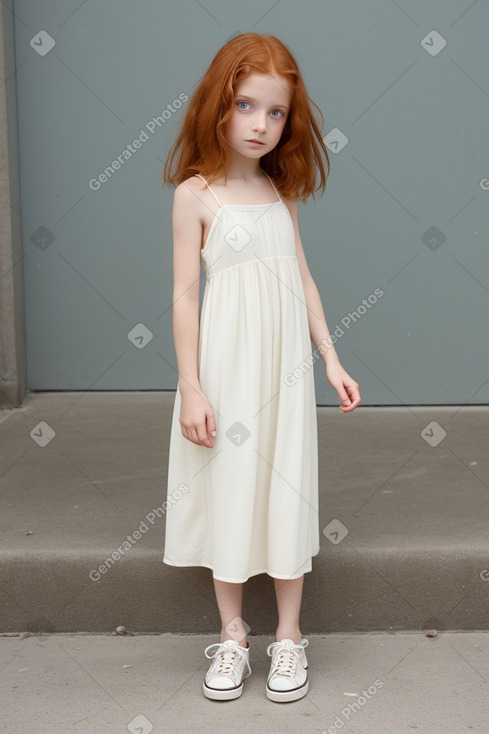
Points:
[(222, 695), (284, 696)]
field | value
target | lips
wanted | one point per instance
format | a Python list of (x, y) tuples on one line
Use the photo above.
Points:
[(253, 140)]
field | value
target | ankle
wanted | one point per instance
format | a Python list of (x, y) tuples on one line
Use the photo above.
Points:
[(240, 638), (288, 634)]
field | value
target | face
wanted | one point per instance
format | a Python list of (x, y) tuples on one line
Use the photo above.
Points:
[(261, 106)]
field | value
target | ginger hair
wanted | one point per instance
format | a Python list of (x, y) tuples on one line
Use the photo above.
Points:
[(201, 146)]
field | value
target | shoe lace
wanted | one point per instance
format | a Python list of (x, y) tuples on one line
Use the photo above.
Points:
[(286, 662), (287, 657), (227, 657)]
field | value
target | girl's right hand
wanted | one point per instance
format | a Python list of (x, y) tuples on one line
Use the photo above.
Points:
[(197, 419)]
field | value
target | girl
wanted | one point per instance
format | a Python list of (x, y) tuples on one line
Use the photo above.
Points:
[(243, 463)]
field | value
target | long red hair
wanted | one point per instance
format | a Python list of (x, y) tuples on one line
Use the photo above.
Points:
[(201, 147)]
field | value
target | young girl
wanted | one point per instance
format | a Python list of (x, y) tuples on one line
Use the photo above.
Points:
[(243, 462)]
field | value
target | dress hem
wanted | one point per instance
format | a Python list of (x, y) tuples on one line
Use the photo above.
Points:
[(241, 581)]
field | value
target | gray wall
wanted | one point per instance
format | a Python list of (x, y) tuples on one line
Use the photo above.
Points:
[(12, 323), (406, 208)]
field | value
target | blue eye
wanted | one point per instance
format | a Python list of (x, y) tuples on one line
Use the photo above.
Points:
[(281, 112)]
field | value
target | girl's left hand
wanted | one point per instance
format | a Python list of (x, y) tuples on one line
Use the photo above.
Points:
[(344, 385)]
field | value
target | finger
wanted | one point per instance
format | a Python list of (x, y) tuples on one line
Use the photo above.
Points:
[(355, 395), (203, 438), (343, 395), (349, 408), (211, 425), (191, 435)]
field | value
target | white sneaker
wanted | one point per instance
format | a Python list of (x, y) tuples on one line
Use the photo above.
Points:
[(288, 679), (228, 670)]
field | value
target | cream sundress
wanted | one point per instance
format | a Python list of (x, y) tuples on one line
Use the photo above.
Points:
[(250, 504)]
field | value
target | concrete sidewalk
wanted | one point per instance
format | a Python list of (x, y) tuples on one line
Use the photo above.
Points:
[(404, 518), (402, 683)]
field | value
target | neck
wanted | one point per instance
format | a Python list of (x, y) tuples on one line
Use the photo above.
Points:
[(244, 169)]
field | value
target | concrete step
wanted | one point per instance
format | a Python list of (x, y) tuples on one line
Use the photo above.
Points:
[(386, 682), (404, 515)]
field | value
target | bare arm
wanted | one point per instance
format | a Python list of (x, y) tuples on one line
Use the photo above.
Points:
[(197, 419), (344, 385), (187, 236)]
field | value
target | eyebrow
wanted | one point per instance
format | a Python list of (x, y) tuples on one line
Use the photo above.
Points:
[(247, 96)]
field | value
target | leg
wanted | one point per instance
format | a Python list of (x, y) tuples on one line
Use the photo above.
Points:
[(289, 598), (229, 600)]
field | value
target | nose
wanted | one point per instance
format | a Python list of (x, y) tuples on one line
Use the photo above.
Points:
[(259, 123)]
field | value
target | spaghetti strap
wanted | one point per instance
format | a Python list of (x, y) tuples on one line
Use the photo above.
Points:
[(220, 203), (274, 188), (213, 194)]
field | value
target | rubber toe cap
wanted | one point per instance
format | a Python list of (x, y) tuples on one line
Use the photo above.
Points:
[(280, 683), (221, 682)]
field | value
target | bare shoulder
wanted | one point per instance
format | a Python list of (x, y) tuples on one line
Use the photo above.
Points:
[(291, 204), (188, 216), (189, 196), (193, 183)]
